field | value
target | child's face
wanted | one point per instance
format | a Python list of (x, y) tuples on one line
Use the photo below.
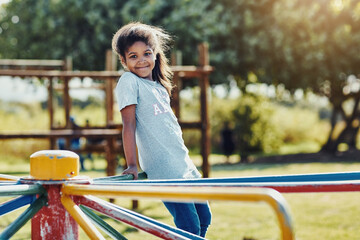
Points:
[(140, 59)]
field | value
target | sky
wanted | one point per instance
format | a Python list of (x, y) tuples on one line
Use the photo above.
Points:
[(19, 90), (15, 89)]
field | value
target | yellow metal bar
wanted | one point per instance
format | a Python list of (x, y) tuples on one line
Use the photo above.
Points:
[(270, 196), (81, 218), (4, 177)]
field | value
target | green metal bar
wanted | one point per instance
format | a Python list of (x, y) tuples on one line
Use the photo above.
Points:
[(141, 176), (102, 224), (23, 218), (23, 189)]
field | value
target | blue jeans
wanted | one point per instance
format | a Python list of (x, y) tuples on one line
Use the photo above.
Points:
[(191, 217)]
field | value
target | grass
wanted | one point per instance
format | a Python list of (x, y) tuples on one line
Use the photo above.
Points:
[(315, 215)]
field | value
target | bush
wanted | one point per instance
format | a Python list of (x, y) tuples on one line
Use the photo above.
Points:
[(263, 126), (254, 128)]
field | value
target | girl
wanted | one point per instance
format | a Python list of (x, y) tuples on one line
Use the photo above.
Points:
[(143, 94)]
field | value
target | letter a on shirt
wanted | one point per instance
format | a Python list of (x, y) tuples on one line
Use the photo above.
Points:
[(157, 110)]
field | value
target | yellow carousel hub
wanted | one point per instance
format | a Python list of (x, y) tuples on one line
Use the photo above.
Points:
[(54, 165)]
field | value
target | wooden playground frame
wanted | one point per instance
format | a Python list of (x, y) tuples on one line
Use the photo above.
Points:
[(61, 71)]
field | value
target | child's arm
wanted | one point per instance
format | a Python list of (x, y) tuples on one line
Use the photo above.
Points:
[(129, 126)]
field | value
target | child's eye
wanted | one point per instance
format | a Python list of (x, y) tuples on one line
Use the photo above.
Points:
[(147, 53), (133, 56)]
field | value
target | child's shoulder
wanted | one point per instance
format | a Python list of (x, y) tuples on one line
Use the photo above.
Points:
[(128, 80), (128, 75)]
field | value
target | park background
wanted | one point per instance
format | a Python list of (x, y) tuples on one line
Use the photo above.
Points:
[(285, 78)]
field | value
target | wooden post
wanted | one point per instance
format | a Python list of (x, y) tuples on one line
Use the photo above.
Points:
[(176, 59), (50, 103), (51, 110), (110, 65), (205, 124), (110, 151), (67, 102), (68, 66)]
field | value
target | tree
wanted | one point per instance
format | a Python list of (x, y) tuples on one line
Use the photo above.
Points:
[(83, 29), (300, 44), (48, 29), (316, 48)]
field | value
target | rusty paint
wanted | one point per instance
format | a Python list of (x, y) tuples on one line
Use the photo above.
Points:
[(53, 221)]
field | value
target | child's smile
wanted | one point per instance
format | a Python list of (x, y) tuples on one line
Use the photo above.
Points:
[(140, 59)]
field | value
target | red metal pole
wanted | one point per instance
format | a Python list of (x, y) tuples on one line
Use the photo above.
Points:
[(53, 221), (52, 168)]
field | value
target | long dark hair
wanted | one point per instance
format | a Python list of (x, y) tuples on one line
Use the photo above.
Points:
[(156, 38)]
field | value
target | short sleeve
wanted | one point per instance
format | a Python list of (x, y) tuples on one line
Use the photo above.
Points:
[(127, 90)]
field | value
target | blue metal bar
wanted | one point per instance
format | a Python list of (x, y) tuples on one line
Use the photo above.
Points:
[(23, 218), (16, 203), (318, 177), (283, 187)]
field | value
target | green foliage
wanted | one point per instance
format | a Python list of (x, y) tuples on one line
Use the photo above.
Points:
[(299, 125), (84, 29), (51, 29), (253, 126), (220, 113), (263, 126), (277, 40), (311, 45)]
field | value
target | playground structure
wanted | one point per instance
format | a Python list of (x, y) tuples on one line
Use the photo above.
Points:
[(58, 74), (60, 200)]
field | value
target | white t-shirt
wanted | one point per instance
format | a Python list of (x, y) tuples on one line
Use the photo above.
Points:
[(161, 149)]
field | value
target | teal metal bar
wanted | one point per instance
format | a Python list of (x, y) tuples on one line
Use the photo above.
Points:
[(138, 221), (23, 218), (21, 189), (102, 224), (150, 220), (141, 176)]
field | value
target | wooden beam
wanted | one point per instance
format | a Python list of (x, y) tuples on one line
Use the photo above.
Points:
[(45, 134), (182, 71), (59, 74), (32, 62)]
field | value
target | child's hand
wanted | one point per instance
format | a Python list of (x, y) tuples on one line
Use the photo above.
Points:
[(131, 170)]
